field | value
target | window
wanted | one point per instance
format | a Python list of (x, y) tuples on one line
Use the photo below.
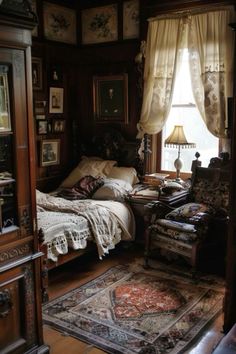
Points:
[(184, 112)]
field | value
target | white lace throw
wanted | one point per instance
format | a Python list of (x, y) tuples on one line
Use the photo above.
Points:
[(103, 224)]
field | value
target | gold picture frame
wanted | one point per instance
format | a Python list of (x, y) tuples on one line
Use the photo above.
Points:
[(110, 98), (100, 24), (59, 23), (50, 152)]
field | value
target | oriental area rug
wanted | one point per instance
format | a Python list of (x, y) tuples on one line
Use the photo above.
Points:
[(131, 310)]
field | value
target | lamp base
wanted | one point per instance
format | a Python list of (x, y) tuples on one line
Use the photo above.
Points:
[(178, 165)]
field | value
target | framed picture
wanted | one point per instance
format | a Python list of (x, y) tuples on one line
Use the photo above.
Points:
[(55, 74), (58, 126), (59, 23), (110, 96), (42, 127), (40, 109), (50, 152), (37, 73), (99, 24), (56, 100), (131, 19)]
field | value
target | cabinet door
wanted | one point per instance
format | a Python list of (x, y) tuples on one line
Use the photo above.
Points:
[(14, 141), (17, 310)]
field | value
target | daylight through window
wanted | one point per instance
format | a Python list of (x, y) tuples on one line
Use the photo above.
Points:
[(184, 112)]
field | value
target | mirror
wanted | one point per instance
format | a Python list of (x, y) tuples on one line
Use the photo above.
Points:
[(5, 121)]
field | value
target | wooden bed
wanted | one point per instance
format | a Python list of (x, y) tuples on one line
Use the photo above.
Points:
[(58, 224)]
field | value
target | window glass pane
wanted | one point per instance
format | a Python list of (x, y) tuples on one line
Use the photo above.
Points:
[(184, 112)]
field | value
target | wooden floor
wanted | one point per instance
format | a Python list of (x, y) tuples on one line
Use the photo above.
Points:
[(84, 269)]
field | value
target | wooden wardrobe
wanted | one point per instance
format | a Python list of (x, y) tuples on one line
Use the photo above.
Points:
[(20, 295)]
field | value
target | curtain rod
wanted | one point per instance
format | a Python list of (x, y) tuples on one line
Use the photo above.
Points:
[(189, 12)]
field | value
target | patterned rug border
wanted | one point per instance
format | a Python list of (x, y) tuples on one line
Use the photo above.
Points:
[(166, 271)]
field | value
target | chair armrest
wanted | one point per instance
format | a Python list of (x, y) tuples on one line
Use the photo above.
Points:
[(156, 210)]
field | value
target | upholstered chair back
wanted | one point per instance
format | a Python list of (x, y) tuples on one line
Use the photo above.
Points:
[(211, 187)]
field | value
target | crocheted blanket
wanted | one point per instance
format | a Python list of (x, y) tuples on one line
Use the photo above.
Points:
[(75, 222)]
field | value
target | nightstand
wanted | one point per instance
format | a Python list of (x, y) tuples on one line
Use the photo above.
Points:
[(138, 202)]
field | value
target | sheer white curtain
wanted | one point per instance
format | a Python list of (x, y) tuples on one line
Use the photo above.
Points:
[(164, 40), (211, 43)]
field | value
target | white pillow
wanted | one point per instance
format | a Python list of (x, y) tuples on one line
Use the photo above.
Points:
[(88, 167), (41, 198), (128, 174), (113, 189)]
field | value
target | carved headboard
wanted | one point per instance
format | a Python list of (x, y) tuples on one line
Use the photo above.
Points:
[(111, 145)]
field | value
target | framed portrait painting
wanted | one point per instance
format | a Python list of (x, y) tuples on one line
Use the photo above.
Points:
[(37, 73), (59, 23), (131, 19), (56, 99), (99, 24), (110, 96), (50, 152)]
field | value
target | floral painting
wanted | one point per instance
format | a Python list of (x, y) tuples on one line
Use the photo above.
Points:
[(99, 24), (131, 19), (59, 23)]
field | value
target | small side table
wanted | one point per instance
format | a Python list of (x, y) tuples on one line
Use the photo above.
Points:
[(138, 203)]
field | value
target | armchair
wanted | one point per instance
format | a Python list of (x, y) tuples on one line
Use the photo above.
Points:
[(196, 230)]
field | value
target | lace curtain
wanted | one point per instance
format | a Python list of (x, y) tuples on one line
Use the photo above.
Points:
[(210, 42), (162, 57)]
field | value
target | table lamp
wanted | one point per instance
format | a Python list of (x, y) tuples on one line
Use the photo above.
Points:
[(178, 139)]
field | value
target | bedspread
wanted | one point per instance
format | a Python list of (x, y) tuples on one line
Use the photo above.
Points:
[(74, 222)]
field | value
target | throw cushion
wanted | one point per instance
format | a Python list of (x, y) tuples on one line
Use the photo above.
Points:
[(83, 189), (187, 211), (176, 230)]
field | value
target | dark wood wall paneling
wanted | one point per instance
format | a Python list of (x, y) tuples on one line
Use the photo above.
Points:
[(79, 63)]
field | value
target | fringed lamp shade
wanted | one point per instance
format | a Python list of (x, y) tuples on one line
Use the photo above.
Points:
[(178, 139)]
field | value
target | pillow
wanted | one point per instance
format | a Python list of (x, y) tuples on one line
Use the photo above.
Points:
[(113, 189), (41, 198), (88, 167), (186, 211), (83, 189), (128, 174), (172, 186)]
